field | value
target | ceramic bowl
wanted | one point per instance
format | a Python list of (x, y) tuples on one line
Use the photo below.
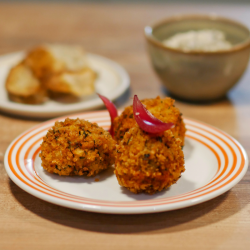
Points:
[(198, 76)]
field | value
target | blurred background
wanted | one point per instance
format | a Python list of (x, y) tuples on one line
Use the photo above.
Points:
[(115, 29), (142, 1)]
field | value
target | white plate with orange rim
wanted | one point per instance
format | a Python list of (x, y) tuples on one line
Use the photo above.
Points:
[(112, 82), (214, 161)]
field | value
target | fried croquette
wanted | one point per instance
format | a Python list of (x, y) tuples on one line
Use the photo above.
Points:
[(77, 147), (148, 162), (162, 109)]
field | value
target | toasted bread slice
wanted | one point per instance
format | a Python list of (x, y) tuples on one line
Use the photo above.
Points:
[(79, 83), (48, 60), (23, 86)]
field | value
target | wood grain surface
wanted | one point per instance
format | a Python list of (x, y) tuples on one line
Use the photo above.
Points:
[(116, 32)]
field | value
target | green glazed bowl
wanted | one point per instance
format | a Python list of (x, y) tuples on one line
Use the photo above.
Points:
[(198, 76)]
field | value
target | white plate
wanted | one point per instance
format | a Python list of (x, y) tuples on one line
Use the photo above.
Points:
[(112, 82), (215, 162)]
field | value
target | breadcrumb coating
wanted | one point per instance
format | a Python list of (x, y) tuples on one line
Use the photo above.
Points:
[(162, 109), (77, 147), (148, 163)]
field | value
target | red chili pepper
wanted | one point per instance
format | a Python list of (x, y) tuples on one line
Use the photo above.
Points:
[(112, 112), (146, 120)]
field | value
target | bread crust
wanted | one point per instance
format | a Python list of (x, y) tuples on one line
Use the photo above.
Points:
[(23, 87)]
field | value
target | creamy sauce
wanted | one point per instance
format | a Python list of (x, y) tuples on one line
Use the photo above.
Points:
[(201, 40)]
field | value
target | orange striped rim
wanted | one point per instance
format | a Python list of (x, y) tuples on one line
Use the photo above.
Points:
[(85, 202), (115, 204), (34, 174), (71, 196), (215, 153), (37, 178)]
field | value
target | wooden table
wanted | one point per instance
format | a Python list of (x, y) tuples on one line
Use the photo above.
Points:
[(116, 32)]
